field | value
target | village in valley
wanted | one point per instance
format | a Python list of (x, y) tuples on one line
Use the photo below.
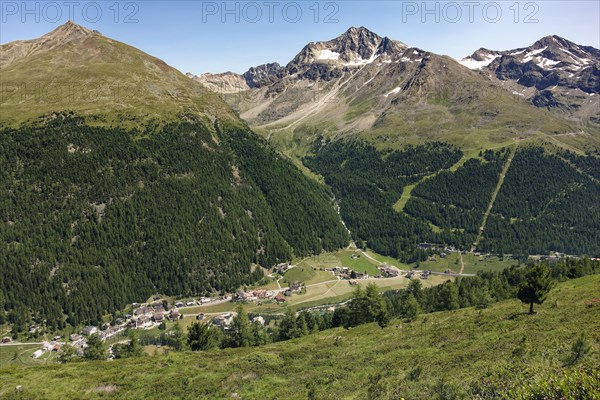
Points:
[(313, 283)]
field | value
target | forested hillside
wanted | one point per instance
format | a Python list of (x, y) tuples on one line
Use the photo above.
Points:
[(368, 183), (93, 218), (457, 200), (547, 202)]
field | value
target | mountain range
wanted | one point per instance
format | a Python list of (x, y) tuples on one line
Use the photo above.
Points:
[(387, 92), (553, 73), (121, 177), (350, 109)]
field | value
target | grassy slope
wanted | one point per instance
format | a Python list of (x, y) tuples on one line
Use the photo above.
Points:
[(307, 275), (101, 79), (463, 348), (21, 355)]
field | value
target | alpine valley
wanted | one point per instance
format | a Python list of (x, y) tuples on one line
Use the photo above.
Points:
[(109, 197), (418, 147), (364, 161)]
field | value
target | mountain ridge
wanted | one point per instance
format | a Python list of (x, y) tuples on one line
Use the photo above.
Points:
[(362, 84), (553, 73), (145, 88)]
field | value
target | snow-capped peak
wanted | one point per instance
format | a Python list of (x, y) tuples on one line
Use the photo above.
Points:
[(355, 47), (547, 53)]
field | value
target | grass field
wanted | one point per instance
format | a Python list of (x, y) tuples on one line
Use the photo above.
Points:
[(21, 355), (473, 263), (455, 354), (406, 193), (388, 260), (360, 263), (342, 258), (216, 308), (272, 285), (152, 350), (306, 274), (321, 261), (185, 323)]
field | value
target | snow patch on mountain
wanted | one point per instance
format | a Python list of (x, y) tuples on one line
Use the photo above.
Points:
[(393, 91), (471, 63), (361, 62), (327, 54), (546, 63), (529, 56)]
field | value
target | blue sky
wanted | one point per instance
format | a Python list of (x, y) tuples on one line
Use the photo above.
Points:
[(217, 36)]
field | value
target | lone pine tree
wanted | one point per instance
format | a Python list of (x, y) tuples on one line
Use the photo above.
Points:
[(538, 282)]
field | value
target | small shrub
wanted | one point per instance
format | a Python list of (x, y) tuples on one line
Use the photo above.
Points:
[(264, 360), (578, 351), (337, 341), (446, 391), (415, 373)]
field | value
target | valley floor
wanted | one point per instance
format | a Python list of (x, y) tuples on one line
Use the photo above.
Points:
[(499, 351)]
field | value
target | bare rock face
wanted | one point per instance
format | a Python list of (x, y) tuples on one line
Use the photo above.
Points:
[(227, 82), (263, 74)]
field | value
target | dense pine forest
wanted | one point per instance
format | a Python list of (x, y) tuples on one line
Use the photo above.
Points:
[(367, 183), (548, 201), (458, 200), (95, 218)]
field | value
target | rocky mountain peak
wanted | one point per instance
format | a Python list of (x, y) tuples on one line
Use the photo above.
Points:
[(357, 40), (354, 48), (69, 31), (552, 73), (554, 41), (390, 47), (480, 58), (548, 53), (482, 54)]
